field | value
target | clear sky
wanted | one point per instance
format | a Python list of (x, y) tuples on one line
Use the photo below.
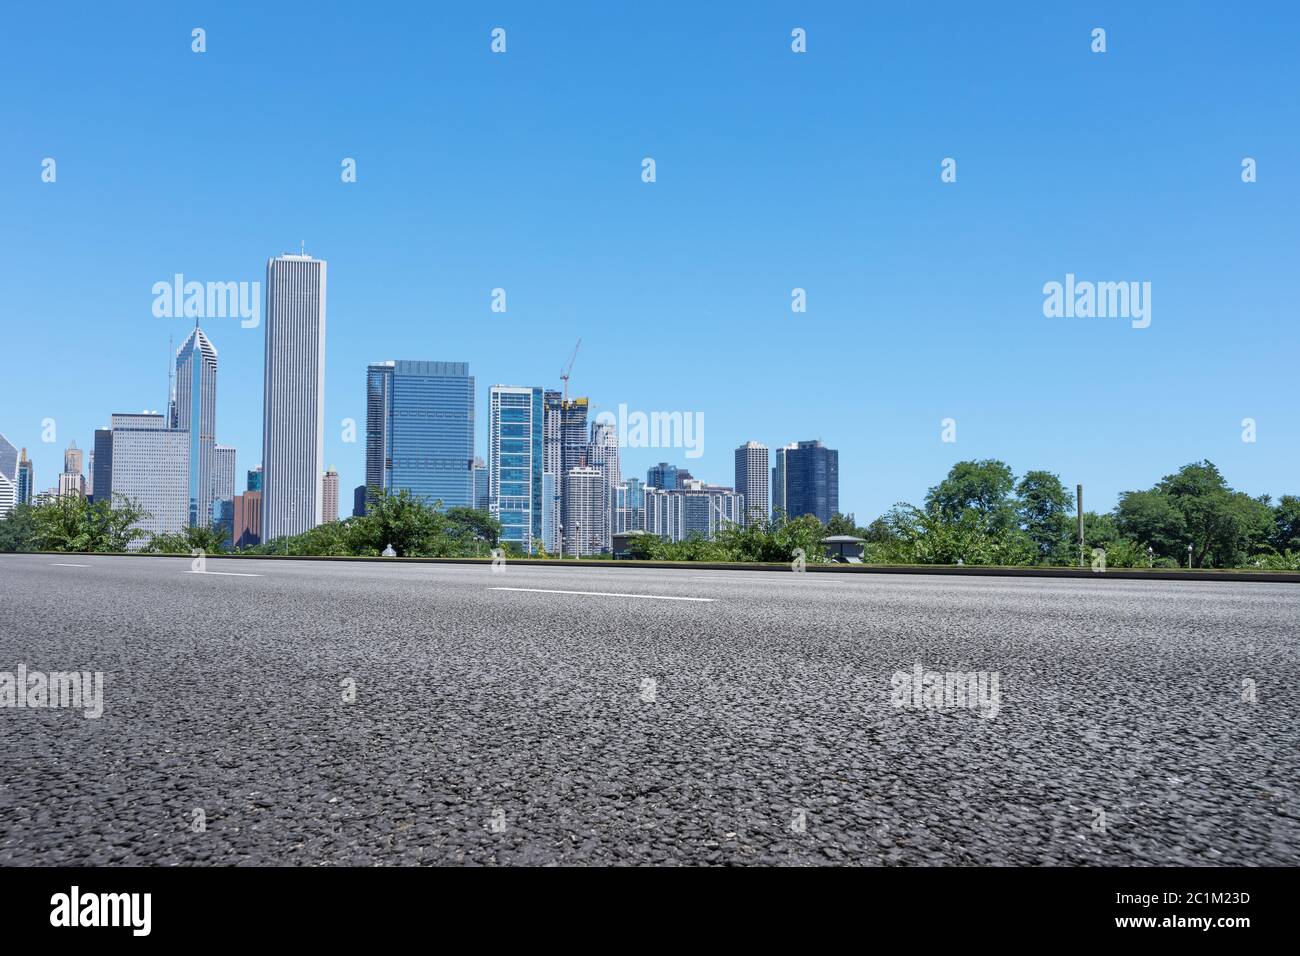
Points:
[(775, 170)]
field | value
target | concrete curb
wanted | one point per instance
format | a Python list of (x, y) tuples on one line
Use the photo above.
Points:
[(1123, 574)]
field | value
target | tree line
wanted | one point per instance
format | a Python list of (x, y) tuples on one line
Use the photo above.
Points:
[(979, 514)]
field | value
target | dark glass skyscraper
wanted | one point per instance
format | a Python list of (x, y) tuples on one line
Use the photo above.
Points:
[(420, 430), (102, 479), (812, 480), (662, 475)]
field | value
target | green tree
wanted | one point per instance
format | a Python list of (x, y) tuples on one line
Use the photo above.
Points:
[(1285, 535), (1043, 508), (17, 529), (983, 487), (1153, 519), (928, 536), (210, 540), (412, 526), (1195, 506), (469, 525), (843, 524), (71, 523), (403, 520), (780, 541)]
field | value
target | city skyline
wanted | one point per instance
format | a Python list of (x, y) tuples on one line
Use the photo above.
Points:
[(419, 438), (915, 288)]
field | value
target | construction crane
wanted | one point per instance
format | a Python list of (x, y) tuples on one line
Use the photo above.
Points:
[(565, 372)]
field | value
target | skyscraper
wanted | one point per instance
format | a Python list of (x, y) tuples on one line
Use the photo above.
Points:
[(586, 514), (71, 481), (293, 398), (103, 465), (604, 455), (573, 434), (359, 501), (662, 475), (700, 509), (196, 413), (72, 459), (515, 464), (550, 512), (223, 491), (751, 479), (379, 424), (779, 506), (151, 470), (812, 480), (254, 480), (8, 475), (223, 473), (26, 479), (247, 523), (629, 506), (574, 449), (480, 485), (553, 463), (420, 430), (330, 495)]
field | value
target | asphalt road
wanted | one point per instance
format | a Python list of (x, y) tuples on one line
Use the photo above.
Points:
[(755, 723)]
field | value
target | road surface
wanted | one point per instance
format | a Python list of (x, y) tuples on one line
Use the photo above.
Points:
[(280, 712)]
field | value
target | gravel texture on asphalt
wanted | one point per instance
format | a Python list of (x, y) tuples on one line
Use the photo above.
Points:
[(527, 727)]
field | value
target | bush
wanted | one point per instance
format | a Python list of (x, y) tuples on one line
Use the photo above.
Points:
[(406, 522), (71, 523)]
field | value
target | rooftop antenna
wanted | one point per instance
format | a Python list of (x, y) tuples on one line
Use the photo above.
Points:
[(567, 370), (171, 385), (302, 250)]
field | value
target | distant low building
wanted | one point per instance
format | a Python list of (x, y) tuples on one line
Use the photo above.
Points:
[(330, 496), (247, 528), (696, 509), (8, 475)]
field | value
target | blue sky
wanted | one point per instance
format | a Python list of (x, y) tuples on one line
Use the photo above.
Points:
[(774, 171)]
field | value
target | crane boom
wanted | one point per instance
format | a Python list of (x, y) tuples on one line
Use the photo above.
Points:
[(567, 370)]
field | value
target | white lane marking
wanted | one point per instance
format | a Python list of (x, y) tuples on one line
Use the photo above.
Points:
[(229, 574), (647, 597), (55, 564)]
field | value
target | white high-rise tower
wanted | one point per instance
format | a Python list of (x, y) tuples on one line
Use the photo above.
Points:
[(751, 480), (293, 398)]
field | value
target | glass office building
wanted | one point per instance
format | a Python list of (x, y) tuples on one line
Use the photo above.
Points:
[(196, 413), (812, 480), (516, 461), (420, 430)]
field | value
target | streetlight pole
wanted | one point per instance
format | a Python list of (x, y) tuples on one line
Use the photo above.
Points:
[(1078, 490), (1151, 557), (1189, 557)]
